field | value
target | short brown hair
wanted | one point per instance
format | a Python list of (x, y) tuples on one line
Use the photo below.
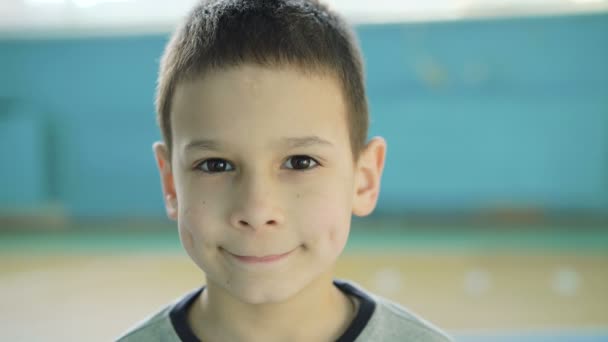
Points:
[(299, 33)]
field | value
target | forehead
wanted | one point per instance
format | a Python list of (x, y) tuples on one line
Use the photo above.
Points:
[(255, 105)]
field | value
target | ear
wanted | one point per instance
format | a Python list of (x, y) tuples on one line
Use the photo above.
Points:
[(367, 176), (166, 178)]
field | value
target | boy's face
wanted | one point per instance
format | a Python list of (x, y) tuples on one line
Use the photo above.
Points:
[(262, 181)]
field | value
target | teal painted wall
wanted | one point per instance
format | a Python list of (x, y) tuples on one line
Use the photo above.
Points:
[(477, 114)]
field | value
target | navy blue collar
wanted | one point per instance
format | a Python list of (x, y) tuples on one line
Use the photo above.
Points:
[(179, 314)]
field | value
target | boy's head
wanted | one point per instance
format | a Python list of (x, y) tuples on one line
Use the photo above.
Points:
[(264, 118), (301, 34)]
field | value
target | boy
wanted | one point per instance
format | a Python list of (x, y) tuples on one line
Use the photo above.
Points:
[(263, 162)]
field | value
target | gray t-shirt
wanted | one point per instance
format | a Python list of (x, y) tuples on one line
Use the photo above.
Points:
[(377, 320)]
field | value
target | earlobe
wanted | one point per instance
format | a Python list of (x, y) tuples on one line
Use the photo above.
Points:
[(163, 162), (368, 176)]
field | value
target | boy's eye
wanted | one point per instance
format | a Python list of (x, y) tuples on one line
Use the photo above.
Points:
[(214, 165), (301, 163)]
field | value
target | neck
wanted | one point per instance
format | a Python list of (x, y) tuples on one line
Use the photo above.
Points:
[(318, 312)]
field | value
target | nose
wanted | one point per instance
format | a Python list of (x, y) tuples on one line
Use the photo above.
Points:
[(256, 207)]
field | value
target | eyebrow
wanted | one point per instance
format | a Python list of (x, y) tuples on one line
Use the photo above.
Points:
[(290, 142)]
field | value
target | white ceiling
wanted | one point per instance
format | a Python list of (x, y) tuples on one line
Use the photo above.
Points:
[(85, 17)]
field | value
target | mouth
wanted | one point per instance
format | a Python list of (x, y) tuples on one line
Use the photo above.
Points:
[(265, 259)]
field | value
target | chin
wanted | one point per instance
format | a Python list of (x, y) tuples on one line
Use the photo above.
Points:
[(266, 293)]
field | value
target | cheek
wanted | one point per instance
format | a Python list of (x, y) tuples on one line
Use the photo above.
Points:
[(196, 223), (325, 223), (194, 210), (198, 236)]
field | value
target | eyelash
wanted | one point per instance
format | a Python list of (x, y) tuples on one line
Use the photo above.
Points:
[(198, 166)]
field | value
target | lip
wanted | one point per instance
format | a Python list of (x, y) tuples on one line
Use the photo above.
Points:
[(266, 259)]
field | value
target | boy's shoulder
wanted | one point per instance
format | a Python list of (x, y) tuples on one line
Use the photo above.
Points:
[(392, 322), (159, 325), (156, 327)]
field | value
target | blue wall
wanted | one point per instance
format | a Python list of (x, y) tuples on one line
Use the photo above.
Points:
[(477, 114)]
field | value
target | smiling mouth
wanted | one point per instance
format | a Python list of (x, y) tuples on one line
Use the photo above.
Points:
[(260, 259)]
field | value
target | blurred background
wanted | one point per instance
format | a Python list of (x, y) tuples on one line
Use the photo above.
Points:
[(493, 217)]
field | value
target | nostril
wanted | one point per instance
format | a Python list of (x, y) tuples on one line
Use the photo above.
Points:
[(243, 223)]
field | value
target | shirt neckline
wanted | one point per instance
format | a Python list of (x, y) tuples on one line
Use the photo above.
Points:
[(179, 313)]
